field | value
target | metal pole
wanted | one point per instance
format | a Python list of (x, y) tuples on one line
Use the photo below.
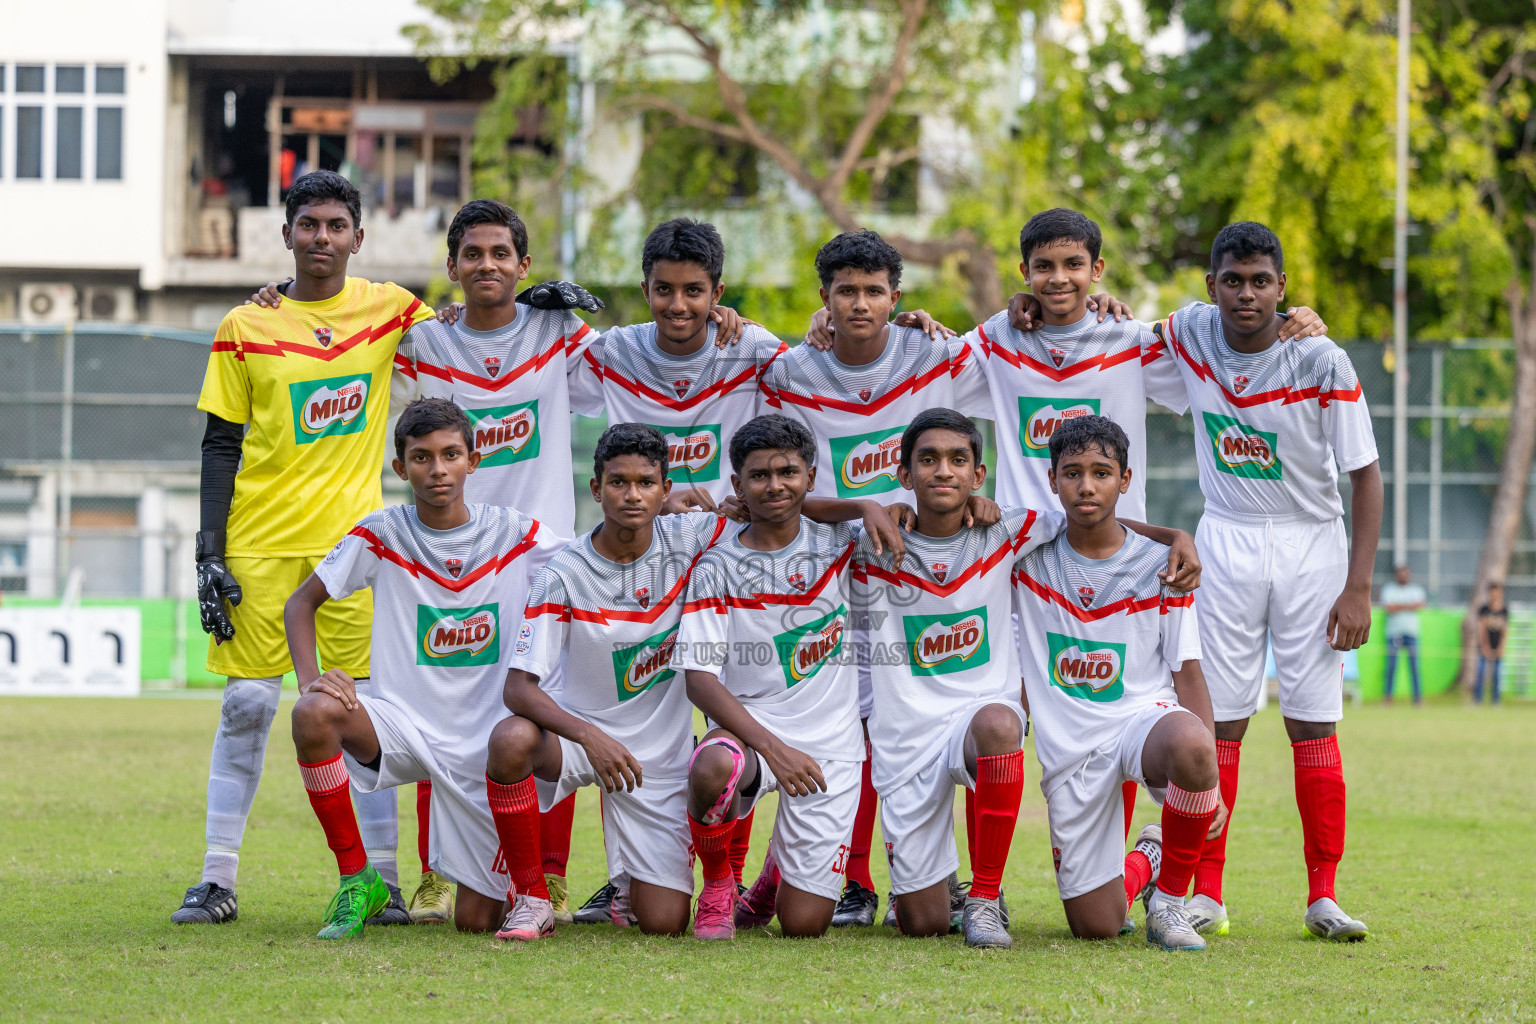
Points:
[(66, 456), (1436, 467), (1400, 302), (573, 129)]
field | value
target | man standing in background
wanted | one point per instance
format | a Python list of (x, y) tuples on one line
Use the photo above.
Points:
[(1403, 599)]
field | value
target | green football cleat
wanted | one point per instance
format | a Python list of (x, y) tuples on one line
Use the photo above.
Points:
[(360, 897), (432, 902)]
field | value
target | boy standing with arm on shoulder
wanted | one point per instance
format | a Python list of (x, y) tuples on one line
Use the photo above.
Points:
[(1271, 423)]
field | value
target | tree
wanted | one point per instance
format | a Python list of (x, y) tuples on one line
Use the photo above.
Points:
[(827, 94)]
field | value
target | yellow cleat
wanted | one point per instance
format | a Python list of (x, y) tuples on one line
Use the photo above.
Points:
[(432, 902), (559, 898)]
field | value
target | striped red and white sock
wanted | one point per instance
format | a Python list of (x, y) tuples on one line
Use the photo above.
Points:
[(1186, 817), (330, 796), (1321, 800), (1213, 856)]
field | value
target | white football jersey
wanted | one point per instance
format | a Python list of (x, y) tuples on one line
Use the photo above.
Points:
[(697, 401), (441, 599), (513, 385), (1038, 379), (770, 625), (1269, 427), (616, 624), (858, 413), (1099, 639), (935, 638)]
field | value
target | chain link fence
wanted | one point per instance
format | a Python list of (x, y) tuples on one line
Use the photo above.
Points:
[(100, 436)]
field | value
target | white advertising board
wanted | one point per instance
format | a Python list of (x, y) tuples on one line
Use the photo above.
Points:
[(69, 652)]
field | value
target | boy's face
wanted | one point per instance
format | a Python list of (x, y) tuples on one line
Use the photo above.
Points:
[(943, 472), (1089, 483), (322, 237), (861, 302), (435, 466), (488, 266), (680, 295), (631, 491), (1247, 292), (1061, 274), (773, 483)]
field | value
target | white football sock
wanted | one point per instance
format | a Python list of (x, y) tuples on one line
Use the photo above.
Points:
[(234, 770)]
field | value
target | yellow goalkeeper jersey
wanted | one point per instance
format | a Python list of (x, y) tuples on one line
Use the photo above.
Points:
[(311, 381)]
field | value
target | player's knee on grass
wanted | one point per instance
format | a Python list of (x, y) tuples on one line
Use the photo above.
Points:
[(803, 915), (658, 910), (475, 912), (924, 913), (995, 730), (510, 752), (708, 778), (1097, 914)]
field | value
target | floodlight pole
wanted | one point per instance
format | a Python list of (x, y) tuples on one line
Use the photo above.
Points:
[(1400, 302)]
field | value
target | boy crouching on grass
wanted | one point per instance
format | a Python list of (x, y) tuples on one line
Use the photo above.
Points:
[(445, 575)]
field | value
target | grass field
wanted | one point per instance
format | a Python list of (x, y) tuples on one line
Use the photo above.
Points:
[(101, 818)]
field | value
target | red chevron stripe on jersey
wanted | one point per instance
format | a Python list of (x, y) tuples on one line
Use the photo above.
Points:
[(1128, 605), (280, 348), (759, 601), (864, 570), (1285, 396), (415, 568), (532, 364), (603, 616), (1102, 361), (911, 384), (720, 387)]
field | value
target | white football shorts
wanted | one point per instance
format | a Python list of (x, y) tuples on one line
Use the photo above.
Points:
[(813, 835)]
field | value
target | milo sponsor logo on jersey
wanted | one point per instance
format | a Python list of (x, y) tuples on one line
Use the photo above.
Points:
[(1039, 418), (866, 463), (329, 407), (693, 453), (1087, 669), (1243, 450), (457, 637), (640, 666), (506, 433), (805, 649), (938, 644)]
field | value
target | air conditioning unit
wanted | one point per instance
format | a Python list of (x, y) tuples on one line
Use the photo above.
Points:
[(114, 302), (48, 303)]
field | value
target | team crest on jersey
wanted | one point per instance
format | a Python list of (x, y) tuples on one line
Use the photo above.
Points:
[(940, 570), (323, 336), (458, 637), (1242, 450), (804, 650), (492, 366), (681, 387), (1057, 356), (329, 407), (866, 463), (1039, 418), (1085, 596), (693, 453), (639, 667), (1086, 669), (797, 580), (864, 394), (1239, 384), (454, 566), (938, 644), (506, 433), (643, 595)]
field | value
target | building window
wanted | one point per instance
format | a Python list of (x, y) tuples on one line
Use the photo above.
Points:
[(68, 121)]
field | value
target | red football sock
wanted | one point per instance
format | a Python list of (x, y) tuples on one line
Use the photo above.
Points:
[(1320, 798), (970, 827), (555, 835), (1213, 856), (326, 783), (515, 808), (712, 844), (999, 788), (741, 842), (423, 821), (1128, 797), (1186, 818), (1138, 872), (863, 829)]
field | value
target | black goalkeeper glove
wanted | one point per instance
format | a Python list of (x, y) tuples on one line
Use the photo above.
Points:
[(215, 585), (560, 295)]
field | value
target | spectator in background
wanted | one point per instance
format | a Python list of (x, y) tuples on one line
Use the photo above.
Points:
[(1403, 599), (1492, 629)]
